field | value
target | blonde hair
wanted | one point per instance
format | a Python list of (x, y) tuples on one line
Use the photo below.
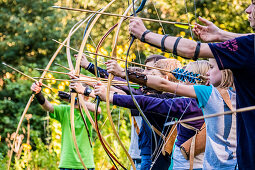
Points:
[(227, 79), (169, 65), (198, 67)]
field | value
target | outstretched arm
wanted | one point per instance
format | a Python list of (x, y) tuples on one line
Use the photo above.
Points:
[(161, 84), (186, 48), (209, 32), (151, 104), (36, 87)]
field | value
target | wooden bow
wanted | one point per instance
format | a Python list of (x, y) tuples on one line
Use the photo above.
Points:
[(32, 97), (77, 72), (110, 78)]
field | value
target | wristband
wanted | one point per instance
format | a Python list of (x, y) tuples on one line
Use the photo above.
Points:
[(143, 35), (40, 98), (63, 95), (175, 45), (87, 91), (163, 43), (197, 51)]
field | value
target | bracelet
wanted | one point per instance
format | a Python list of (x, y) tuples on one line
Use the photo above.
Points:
[(197, 51), (143, 35), (175, 45), (40, 98), (163, 43)]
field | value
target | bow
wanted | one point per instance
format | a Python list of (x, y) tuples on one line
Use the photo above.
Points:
[(77, 72), (98, 99), (110, 78), (183, 76), (32, 98), (131, 93)]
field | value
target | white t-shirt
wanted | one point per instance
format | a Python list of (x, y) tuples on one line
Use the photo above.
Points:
[(134, 150)]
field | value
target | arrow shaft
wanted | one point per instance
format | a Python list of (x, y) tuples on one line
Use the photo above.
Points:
[(118, 15), (26, 75)]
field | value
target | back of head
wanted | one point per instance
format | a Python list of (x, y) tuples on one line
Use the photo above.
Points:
[(154, 58), (168, 65), (198, 67)]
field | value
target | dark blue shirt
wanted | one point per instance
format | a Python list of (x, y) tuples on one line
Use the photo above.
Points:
[(238, 55), (157, 109)]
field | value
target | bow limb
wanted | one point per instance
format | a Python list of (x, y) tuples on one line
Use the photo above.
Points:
[(77, 72), (100, 137), (110, 78), (94, 125), (33, 95)]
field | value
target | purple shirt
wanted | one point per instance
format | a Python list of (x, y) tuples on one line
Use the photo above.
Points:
[(156, 110)]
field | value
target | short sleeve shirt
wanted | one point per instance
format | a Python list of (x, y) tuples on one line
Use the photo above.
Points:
[(238, 55), (69, 158), (220, 151)]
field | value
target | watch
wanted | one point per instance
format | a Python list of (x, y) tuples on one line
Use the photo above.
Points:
[(87, 91)]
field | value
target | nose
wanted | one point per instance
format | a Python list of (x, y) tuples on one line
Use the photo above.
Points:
[(249, 10), (208, 73)]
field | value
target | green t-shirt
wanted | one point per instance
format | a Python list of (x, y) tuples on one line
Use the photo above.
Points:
[(69, 157)]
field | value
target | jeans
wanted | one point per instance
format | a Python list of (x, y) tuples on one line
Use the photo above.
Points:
[(146, 162), (137, 163)]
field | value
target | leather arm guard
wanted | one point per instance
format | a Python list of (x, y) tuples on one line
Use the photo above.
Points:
[(137, 77)]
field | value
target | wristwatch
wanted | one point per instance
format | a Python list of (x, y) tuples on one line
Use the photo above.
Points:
[(87, 91)]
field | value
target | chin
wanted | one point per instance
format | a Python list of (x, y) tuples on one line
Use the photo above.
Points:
[(252, 25)]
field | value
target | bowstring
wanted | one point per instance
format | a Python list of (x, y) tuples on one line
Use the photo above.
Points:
[(157, 154), (162, 143), (186, 9)]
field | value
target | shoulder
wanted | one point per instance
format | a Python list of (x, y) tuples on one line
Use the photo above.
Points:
[(61, 107), (203, 88)]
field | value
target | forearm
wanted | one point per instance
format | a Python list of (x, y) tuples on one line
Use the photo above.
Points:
[(185, 48), (164, 85), (119, 91), (91, 107), (47, 106), (225, 36)]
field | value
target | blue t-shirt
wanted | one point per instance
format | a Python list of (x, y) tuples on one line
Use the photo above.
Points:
[(238, 55), (220, 151)]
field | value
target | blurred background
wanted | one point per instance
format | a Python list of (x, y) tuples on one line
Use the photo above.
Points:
[(26, 32)]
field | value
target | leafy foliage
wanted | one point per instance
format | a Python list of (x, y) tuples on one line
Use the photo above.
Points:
[(25, 42)]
